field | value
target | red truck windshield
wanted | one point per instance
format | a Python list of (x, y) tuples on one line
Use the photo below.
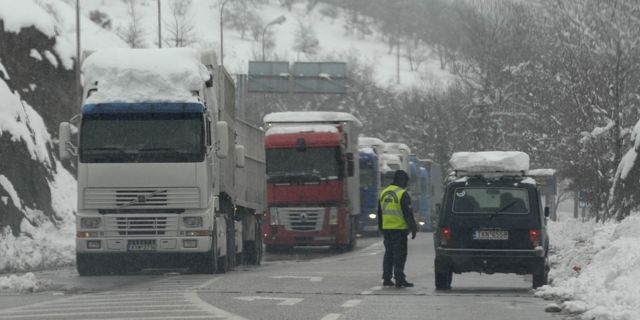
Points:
[(309, 164)]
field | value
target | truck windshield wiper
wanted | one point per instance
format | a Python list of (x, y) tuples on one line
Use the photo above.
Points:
[(157, 149), (505, 207)]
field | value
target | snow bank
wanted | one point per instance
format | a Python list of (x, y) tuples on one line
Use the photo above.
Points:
[(22, 122), (56, 18), (311, 116), (596, 268), (21, 14), (144, 75), (489, 161), (43, 244), (23, 283), (301, 129), (3, 72)]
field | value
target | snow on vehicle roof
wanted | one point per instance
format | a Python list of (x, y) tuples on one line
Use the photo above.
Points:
[(144, 75), (311, 116), (396, 147), (370, 141), (301, 129), (542, 172), (389, 160), (490, 161)]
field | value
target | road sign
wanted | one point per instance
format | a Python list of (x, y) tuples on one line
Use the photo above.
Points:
[(319, 77), (268, 77)]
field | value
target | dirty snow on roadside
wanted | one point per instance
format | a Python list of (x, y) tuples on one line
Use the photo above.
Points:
[(596, 268), (23, 283)]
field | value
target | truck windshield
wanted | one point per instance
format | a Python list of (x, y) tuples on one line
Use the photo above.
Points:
[(309, 164), (491, 200), (367, 178), (142, 137)]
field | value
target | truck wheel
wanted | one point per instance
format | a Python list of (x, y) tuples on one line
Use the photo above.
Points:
[(223, 264), (443, 280), (85, 265), (541, 273), (208, 264)]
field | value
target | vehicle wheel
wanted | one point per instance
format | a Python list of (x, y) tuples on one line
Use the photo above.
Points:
[(85, 265), (541, 274), (208, 262), (223, 264), (252, 252), (443, 280)]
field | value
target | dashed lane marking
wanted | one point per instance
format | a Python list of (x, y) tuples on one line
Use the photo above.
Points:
[(370, 291), (310, 278), (284, 301), (331, 316), (351, 303)]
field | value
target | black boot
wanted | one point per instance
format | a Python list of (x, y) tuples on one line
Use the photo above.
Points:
[(404, 284), (387, 283)]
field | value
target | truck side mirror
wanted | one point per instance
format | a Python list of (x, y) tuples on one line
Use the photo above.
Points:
[(222, 139), (64, 139), (351, 168), (240, 154), (546, 212)]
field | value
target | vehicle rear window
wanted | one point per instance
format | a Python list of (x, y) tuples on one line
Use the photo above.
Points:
[(491, 200)]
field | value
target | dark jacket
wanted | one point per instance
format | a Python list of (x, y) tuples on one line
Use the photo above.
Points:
[(407, 213)]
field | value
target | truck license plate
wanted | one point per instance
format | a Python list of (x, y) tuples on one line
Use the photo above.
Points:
[(491, 235), (141, 245)]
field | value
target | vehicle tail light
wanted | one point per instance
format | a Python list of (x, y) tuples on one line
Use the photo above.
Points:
[(333, 215), (445, 235), (534, 237)]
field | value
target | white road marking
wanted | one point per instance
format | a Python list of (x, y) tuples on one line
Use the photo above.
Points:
[(192, 296), (331, 316), (285, 301), (310, 278), (370, 291), (351, 303)]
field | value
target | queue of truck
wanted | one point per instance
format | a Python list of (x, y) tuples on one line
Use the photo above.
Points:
[(169, 176)]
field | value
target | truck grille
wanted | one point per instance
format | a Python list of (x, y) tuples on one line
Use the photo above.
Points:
[(141, 226), (302, 219), (141, 198)]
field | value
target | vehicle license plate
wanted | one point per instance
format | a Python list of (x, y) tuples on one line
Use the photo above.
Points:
[(491, 235), (141, 245)]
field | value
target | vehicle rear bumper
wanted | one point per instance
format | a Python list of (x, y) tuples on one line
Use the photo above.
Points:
[(489, 260)]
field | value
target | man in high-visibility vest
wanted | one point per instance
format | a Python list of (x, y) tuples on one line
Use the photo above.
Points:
[(395, 220)]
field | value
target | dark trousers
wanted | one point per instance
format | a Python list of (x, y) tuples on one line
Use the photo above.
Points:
[(395, 254)]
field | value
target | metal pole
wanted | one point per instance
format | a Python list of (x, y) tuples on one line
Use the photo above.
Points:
[(264, 30), (159, 25), (221, 33), (398, 61), (78, 55)]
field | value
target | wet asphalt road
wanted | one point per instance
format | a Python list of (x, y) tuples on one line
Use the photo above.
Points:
[(306, 283)]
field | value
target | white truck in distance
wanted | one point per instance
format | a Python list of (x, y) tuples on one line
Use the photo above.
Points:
[(167, 176)]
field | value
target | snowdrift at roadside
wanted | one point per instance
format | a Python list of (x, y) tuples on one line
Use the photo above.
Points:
[(596, 268), (23, 283)]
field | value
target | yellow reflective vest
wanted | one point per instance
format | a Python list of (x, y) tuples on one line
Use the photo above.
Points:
[(392, 218)]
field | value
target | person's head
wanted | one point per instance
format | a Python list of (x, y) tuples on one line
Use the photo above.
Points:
[(400, 179)]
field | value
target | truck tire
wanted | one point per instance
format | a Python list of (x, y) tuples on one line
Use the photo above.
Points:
[(443, 280), (540, 273), (85, 265), (253, 249), (223, 264), (209, 262)]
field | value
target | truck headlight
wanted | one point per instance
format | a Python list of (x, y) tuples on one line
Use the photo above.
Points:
[(372, 216), (333, 215), (273, 216), (90, 223), (192, 222)]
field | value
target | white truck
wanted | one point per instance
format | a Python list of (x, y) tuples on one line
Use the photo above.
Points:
[(395, 156), (167, 176)]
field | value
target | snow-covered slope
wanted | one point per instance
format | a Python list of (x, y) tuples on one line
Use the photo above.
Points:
[(333, 42), (37, 194)]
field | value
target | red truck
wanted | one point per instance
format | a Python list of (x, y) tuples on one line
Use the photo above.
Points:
[(313, 195)]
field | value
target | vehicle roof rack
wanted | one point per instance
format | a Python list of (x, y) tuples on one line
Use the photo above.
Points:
[(489, 174)]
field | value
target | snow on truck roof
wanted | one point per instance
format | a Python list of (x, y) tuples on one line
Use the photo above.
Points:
[(396, 147), (370, 142), (301, 129), (311, 116), (144, 75), (490, 161)]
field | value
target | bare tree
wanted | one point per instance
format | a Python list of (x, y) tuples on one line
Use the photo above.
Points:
[(133, 33), (180, 29), (306, 40)]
